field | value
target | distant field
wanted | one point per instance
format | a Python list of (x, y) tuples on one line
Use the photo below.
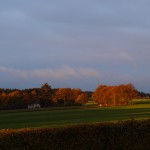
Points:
[(140, 101), (63, 117)]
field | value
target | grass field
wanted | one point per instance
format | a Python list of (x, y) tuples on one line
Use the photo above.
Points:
[(62, 117)]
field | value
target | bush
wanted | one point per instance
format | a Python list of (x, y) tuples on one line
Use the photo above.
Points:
[(128, 135)]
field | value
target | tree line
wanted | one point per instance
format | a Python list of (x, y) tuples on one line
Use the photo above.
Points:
[(46, 96)]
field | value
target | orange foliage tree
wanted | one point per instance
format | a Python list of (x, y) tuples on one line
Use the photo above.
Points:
[(66, 96), (63, 96), (114, 95), (4, 100), (15, 100), (82, 98)]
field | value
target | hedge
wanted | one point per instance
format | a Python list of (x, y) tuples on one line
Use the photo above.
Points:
[(126, 135)]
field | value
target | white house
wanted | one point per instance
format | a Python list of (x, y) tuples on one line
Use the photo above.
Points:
[(33, 106)]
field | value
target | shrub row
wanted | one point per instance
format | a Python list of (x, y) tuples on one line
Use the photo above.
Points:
[(127, 135)]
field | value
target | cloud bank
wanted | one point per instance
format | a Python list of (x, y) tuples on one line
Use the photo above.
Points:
[(62, 73)]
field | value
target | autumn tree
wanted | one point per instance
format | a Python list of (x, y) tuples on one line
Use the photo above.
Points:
[(99, 94), (15, 100), (82, 98), (75, 93), (34, 97), (4, 100), (114, 95), (127, 93), (27, 98), (46, 95), (46, 86), (66, 96), (63, 96)]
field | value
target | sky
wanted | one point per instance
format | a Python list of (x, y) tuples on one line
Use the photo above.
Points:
[(74, 43)]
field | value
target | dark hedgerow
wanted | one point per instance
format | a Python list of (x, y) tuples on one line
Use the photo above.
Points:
[(126, 135)]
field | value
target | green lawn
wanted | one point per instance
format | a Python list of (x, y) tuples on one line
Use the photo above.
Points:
[(52, 117)]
